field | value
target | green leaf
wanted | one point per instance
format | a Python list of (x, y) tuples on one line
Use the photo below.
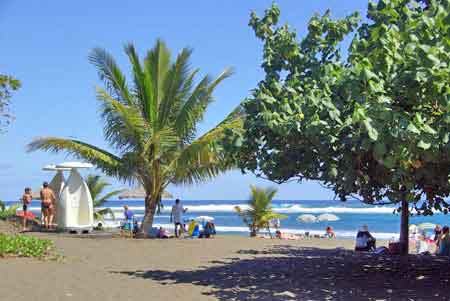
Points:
[(371, 131), (428, 129), (413, 129), (389, 162), (423, 145)]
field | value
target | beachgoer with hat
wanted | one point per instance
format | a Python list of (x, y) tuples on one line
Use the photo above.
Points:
[(364, 240)]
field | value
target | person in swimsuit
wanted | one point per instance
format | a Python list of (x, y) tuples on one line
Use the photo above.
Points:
[(47, 202), (26, 200)]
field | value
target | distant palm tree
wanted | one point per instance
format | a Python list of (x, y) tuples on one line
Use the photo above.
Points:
[(260, 213), (96, 186), (152, 124)]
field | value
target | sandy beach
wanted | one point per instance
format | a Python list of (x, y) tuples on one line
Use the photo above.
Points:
[(223, 268)]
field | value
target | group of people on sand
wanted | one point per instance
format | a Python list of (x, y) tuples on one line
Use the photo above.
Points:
[(440, 241), (48, 205), (191, 229)]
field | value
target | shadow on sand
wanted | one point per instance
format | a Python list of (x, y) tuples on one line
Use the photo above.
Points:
[(286, 273)]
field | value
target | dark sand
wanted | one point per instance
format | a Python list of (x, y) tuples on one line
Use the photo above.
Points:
[(223, 268)]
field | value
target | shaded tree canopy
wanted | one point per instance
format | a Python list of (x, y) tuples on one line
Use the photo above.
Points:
[(7, 85), (373, 124)]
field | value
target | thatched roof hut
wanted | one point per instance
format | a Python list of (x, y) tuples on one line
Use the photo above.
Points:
[(139, 193)]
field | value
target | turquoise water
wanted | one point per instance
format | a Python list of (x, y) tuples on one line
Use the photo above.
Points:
[(352, 214)]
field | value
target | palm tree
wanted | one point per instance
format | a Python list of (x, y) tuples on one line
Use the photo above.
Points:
[(151, 124), (96, 186), (260, 213)]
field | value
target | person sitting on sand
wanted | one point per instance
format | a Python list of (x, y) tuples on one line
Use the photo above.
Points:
[(364, 240), (47, 203), (422, 245), (163, 233), (26, 200), (208, 231), (329, 233), (444, 242)]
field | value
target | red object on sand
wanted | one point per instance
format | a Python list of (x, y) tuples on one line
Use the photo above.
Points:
[(28, 215)]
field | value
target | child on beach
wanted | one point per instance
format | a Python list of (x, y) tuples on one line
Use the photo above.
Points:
[(329, 233), (26, 200)]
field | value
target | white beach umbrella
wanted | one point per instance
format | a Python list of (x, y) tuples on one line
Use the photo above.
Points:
[(307, 218), (204, 218), (327, 217)]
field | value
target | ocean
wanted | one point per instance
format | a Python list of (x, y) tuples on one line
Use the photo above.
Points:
[(383, 224)]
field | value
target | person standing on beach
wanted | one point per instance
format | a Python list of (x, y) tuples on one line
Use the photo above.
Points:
[(176, 216), (26, 200), (47, 202)]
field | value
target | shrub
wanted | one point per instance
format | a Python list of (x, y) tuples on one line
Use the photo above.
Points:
[(24, 246), (6, 213)]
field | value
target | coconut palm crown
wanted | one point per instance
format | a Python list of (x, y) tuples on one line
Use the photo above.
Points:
[(150, 124)]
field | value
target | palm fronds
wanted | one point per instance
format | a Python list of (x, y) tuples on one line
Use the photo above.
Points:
[(150, 122), (97, 185), (259, 212)]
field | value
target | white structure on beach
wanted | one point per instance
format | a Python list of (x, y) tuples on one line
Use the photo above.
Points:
[(74, 206)]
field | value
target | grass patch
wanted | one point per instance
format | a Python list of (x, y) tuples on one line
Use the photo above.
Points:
[(25, 246)]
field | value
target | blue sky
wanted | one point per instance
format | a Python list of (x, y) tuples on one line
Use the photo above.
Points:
[(45, 44)]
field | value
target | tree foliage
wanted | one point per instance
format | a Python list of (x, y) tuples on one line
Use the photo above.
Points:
[(374, 123), (7, 85), (150, 123), (259, 212)]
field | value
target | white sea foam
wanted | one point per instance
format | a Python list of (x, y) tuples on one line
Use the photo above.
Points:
[(284, 208)]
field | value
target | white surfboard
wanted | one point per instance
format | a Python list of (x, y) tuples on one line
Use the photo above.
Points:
[(76, 203)]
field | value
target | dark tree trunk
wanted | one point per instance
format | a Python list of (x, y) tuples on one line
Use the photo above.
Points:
[(253, 231), (150, 210), (404, 228)]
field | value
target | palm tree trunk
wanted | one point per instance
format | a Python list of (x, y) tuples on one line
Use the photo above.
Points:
[(150, 210)]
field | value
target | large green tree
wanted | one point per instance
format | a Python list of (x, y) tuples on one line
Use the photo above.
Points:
[(7, 85), (151, 122), (373, 124)]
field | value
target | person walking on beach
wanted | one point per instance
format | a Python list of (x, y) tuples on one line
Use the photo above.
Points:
[(47, 203), (176, 216), (26, 200)]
